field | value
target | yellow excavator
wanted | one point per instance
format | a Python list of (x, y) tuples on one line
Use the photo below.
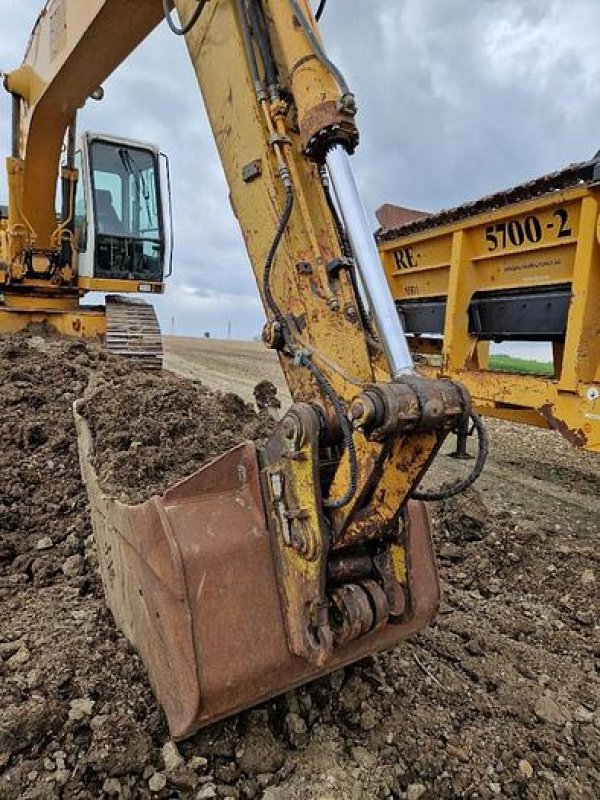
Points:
[(268, 567), (113, 233)]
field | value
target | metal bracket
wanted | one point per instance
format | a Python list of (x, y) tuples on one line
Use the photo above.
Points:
[(299, 534)]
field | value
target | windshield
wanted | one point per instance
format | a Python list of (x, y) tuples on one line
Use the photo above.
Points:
[(125, 190)]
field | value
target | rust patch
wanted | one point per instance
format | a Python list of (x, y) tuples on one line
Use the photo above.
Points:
[(576, 437)]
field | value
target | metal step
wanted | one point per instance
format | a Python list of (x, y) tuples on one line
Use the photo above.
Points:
[(132, 331)]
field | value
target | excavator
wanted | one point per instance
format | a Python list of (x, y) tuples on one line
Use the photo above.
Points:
[(272, 565)]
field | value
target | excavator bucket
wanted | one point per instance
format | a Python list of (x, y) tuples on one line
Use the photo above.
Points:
[(191, 581)]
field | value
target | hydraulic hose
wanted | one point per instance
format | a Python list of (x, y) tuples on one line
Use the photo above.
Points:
[(462, 485), (261, 36), (191, 22), (319, 52), (320, 10), (347, 433), (270, 260)]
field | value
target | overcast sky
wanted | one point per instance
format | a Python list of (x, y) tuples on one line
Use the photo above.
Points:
[(457, 98)]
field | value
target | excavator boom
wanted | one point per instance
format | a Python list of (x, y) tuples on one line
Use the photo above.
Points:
[(267, 567)]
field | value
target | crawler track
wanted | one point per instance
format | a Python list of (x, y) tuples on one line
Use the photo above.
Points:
[(132, 330)]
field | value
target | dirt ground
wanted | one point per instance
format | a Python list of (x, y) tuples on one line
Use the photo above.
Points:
[(499, 698)]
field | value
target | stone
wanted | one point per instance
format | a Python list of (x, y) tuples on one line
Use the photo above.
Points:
[(525, 769), (588, 577), (111, 787), (8, 649), (21, 657), (183, 778), (363, 757), (227, 792), (198, 763), (73, 566), (368, 720), (584, 617), (45, 543), (261, 752), (172, 758), (207, 791), (415, 791), (27, 722), (80, 708), (157, 782), (582, 714), (296, 729), (548, 710)]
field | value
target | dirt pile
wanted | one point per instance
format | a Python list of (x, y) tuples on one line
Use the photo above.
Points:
[(500, 698), (150, 431)]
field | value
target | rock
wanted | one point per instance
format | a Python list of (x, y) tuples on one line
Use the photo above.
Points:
[(73, 566), (296, 729), (172, 757), (80, 708), (27, 722), (8, 649), (584, 617), (227, 773), (260, 751), (415, 791), (207, 791), (98, 721), (45, 543), (525, 769), (198, 763), (21, 657), (228, 792), (363, 757), (548, 710), (368, 720), (119, 746), (451, 552), (62, 776), (457, 752), (182, 778), (111, 787), (582, 714), (157, 782), (588, 577)]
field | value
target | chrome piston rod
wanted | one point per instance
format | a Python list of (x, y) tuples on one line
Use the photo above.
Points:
[(391, 332)]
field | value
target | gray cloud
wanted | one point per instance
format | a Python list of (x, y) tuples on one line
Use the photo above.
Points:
[(457, 98)]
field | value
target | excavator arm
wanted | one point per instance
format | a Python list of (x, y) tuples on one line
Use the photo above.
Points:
[(349, 555)]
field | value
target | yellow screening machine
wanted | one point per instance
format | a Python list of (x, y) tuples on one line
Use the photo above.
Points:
[(518, 266)]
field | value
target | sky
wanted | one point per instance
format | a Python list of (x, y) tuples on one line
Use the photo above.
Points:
[(457, 98)]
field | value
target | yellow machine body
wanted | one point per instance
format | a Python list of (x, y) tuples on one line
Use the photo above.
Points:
[(45, 267), (537, 262)]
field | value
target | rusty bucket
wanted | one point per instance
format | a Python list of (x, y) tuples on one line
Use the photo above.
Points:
[(190, 579)]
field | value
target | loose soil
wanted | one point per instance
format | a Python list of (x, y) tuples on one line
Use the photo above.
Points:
[(499, 698), (150, 431)]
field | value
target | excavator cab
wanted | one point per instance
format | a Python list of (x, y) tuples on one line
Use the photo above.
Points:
[(122, 214)]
